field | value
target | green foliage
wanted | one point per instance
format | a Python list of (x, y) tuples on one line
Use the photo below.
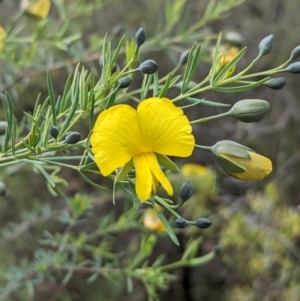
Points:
[(263, 236), (80, 233)]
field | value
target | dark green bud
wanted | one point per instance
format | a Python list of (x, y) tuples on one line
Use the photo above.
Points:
[(293, 68), (102, 62), (54, 132), (3, 189), (275, 83), (140, 37), (113, 68), (184, 57), (3, 127), (186, 191), (180, 223), (125, 82), (266, 45), (250, 110), (203, 223), (148, 67), (295, 53), (73, 137)]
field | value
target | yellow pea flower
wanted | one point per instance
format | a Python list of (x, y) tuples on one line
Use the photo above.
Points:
[(37, 8), (123, 135), (152, 222), (2, 37)]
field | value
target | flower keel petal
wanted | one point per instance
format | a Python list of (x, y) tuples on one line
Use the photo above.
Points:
[(144, 177), (158, 173)]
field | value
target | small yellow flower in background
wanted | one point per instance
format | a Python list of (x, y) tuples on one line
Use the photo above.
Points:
[(229, 54), (205, 191), (152, 222), (2, 37), (226, 54), (37, 8), (191, 169), (125, 136)]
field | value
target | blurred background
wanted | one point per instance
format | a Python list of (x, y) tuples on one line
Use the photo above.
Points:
[(255, 225)]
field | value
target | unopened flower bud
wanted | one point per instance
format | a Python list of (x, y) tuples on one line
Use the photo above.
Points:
[(3, 189), (113, 68), (184, 57), (203, 223), (186, 191), (275, 83), (250, 110), (148, 67), (293, 68), (54, 132), (295, 53), (3, 127), (125, 82), (240, 161), (180, 223), (266, 45), (140, 37), (73, 137)]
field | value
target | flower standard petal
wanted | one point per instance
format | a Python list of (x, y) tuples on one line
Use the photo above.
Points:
[(158, 173), (164, 128), (144, 178), (115, 138)]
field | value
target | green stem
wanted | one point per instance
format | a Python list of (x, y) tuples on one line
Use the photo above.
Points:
[(167, 206), (188, 94), (210, 118), (207, 148), (189, 262)]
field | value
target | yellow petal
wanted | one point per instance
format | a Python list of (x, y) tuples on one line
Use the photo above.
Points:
[(152, 222), (193, 168), (37, 8), (144, 178), (158, 173), (164, 128), (230, 55), (258, 167), (115, 138)]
